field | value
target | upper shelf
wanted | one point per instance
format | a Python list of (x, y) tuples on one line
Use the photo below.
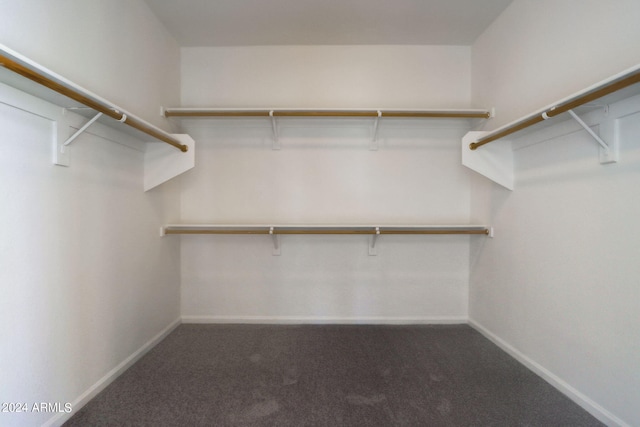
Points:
[(374, 113), (31, 87), (495, 161), (30, 77), (617, 87), (373, 231), (323, 229)]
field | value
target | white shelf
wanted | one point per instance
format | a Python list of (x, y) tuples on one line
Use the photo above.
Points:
[(29, 86), (367, 116), (321, 229), (495, 159), (373, 231), (326, 112)]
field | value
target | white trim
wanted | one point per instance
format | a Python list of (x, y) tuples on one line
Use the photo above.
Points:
[(300, 320), (586, 403), (103, 382)]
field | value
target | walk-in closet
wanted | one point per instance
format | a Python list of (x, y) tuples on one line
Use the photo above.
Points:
[(346, 213)]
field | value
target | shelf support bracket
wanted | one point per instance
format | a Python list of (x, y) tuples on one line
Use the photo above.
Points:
[(372, 243), (376, 125), (274, 128), (276, 242), (608, 153), (589, 130), (80, 131)]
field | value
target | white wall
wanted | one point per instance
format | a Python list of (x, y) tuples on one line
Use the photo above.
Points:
[(326, 174), (558, 286), (327, 76), (86, 281), (559, 282), (540, 51), (114, 48)]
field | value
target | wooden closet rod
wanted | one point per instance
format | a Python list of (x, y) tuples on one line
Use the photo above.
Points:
[(43, 80), (437, 231), (614, 85), (322, 230), (456, 114)]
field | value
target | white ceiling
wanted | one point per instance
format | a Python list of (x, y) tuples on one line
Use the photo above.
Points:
[(326, 22)]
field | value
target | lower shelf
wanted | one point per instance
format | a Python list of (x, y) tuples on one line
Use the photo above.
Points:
[(323, 229)]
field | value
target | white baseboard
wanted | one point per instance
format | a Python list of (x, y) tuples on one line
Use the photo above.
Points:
[(324, 320), (587, 404), (103, 382)]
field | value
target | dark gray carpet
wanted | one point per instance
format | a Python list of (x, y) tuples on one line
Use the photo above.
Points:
[(326, 375)]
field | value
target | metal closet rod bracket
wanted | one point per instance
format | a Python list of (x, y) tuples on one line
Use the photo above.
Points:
[(590, 131), (376, 126), (276, 242), (609, 152), (84, 127), (274, 128), (80, 131), (372, 246)]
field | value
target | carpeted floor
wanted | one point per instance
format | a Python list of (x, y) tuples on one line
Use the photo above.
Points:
[(327, 375)]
